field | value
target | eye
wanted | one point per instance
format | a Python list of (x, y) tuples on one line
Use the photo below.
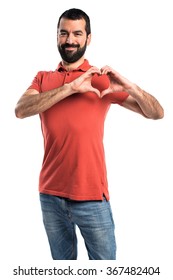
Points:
[(78, 33), (62, 33)]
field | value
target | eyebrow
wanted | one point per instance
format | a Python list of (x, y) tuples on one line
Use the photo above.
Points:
[(76, 31)]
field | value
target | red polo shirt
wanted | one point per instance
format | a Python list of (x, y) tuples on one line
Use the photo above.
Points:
[(74, 162)]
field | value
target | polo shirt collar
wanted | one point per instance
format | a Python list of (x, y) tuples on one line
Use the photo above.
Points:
[(83, 67)]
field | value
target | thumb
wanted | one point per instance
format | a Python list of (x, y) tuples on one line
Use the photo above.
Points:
[(95, 90), (104, 92)]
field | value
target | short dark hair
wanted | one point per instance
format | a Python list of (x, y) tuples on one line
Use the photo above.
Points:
[(75, 14)]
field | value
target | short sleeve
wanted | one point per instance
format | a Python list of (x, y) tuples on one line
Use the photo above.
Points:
[(117, 97), (36, 83)]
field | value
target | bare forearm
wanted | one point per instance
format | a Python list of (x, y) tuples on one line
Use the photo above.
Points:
[(29, 105), (149, 105)]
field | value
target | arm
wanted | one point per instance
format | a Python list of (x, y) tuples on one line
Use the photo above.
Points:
[(143, 103), (138, 101), (32, 102)]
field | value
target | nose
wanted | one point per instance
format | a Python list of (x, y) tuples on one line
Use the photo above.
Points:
[(70, 39)]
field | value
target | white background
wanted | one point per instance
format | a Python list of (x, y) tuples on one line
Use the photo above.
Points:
[(135, 38)]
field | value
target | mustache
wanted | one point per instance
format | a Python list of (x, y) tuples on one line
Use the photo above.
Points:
[(66, 45)]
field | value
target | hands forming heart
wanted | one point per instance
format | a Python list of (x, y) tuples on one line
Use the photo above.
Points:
[(108, 80), (101, 81)]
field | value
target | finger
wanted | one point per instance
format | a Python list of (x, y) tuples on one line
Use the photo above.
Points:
[(105, 70), (105, 92), (94, 70), (96, 91)]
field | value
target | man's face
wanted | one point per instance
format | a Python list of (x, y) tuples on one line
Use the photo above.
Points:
[(72, 39)]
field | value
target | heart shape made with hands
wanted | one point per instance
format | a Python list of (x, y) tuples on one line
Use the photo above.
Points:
[(101, 82)]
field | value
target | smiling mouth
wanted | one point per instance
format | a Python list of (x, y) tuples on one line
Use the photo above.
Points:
[(70, 48)]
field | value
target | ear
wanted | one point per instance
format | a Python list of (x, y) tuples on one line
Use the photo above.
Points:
[(88, 39)]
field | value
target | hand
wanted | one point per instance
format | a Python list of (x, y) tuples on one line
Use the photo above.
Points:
[(83, 83), (117, 82)]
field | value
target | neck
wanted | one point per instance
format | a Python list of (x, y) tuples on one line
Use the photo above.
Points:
[(72, 66)]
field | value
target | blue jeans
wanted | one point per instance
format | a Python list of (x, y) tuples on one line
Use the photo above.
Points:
[(94, 219)]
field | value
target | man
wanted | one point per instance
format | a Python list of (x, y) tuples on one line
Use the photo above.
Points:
[(72, 103)]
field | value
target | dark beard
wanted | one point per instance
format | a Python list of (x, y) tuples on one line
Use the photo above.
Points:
[(71, 57)]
